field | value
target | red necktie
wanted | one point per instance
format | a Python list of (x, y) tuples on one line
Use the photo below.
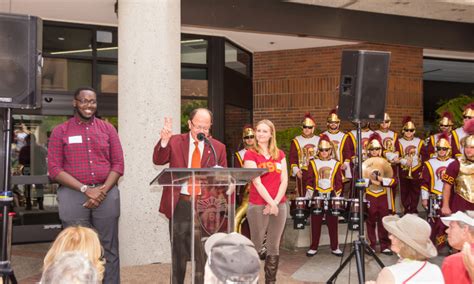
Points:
[(195, 164)]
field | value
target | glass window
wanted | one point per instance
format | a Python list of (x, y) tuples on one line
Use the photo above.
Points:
[(237, 59), (65, 74), (107, 44), (67, 41), (107, 81), (186, 107), (194, 82), (194, 51)]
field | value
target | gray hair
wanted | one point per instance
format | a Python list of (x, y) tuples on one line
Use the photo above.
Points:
[(70, 267)]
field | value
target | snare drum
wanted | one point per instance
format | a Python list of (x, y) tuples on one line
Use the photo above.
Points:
[(301, 207), (338, 206), (354, 215), (317, 205), (435, 205)]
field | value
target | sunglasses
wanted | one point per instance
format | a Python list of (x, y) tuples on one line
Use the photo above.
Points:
[(325, 150), (467, 117), (442, 149), (444, 125), (375, 149), (409, 130), (386, 121), (249, 137), (307, 127)]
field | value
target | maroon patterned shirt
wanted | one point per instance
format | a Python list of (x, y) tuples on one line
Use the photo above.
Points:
[(86, 150)]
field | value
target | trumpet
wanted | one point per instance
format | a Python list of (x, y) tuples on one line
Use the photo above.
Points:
[(410, 168)]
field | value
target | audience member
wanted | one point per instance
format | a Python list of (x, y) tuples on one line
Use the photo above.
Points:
[(460, 231), (78, 239), (70, 268), (410, 236), (231, 258)]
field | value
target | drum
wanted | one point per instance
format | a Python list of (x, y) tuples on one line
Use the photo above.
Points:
[(354, 215), (435, 206), (337, 205), (301, 208), (317, 205)]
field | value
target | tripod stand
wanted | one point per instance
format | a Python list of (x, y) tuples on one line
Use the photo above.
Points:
[(6, 197), (360, 246)]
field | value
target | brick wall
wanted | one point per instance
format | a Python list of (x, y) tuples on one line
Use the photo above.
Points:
[(288, 83)]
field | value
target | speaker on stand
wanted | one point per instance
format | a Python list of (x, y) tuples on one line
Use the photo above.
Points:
[(20, 87)]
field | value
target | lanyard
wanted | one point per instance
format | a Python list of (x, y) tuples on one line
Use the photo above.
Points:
[(413, 275)]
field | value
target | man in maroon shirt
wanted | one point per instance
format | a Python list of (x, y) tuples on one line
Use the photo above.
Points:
[(85, 157)]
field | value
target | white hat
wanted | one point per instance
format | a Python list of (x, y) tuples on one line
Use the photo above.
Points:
[(413, 231), (459, 217)]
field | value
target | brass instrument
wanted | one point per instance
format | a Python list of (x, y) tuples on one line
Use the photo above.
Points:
[(379, 166), (410, 168), (241, 212)]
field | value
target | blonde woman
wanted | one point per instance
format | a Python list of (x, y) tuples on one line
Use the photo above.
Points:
[(78, 239), (267, 208)]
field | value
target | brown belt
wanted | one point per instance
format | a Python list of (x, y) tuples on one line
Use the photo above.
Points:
[(185, 197)]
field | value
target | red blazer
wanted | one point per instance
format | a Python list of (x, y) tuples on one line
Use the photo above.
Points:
[(176, 154)]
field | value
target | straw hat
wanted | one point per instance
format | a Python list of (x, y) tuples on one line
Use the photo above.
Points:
[(413, 231)]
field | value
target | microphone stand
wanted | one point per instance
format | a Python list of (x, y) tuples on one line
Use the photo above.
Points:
[(202, 137)]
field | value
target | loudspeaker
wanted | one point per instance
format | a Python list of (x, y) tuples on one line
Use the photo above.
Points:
[(363, 85), (21, 41)]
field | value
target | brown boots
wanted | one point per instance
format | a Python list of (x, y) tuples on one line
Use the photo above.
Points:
[(271, 268)]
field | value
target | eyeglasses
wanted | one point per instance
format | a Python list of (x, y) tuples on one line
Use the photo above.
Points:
[(325, 150), (386, 121), (202, 128), (86, 102), (249, 137), (375, 149), (467, 117), (409, 130), (307, 127), (442, 149), (444, 125)]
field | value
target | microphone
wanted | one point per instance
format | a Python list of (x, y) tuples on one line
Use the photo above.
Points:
[(202, 137)]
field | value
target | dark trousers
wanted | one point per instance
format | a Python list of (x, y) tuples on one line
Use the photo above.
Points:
[(104, 219), (410, 194), (377, 210), (181, 229), (457, 203), (316, 224), (438, 232)]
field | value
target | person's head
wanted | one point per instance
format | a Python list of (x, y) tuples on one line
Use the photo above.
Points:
[(72, 267), (408, 130), (374, 145), (248, 136), (460, 229), (325, 148), (446, 122), (468, 113), (443, 147), (333, 121), (386, 122), (266, 135), (80, 239), (200, 121), (410, 236), (231, 258), (85, 103), (307, 125), (468, 142)]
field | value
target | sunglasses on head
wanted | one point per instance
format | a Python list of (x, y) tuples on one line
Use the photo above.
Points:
[(375, 149), (467, 117), (325, 150), (307, 127), (442, 148), (409, 130), (249, 137)]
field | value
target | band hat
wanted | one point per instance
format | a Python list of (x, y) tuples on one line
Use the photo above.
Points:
[(459, 217), (232, 257), (308, 120), (413, 231)]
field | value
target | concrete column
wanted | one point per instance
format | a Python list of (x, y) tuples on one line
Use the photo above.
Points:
[(149, 90)]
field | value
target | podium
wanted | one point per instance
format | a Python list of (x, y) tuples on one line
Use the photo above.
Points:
[(202, 203)]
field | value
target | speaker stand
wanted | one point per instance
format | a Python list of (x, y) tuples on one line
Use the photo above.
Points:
[(360, 246)]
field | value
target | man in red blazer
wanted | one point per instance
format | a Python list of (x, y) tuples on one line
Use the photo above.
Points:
[(178, 150)]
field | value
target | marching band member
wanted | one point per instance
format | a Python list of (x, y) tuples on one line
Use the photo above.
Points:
[(460, 174), (432, 186), (411, 151), (460, 133), (445, 126), (389, 139), (302, 150), (378, 175), (248, 141), (324, 179)]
